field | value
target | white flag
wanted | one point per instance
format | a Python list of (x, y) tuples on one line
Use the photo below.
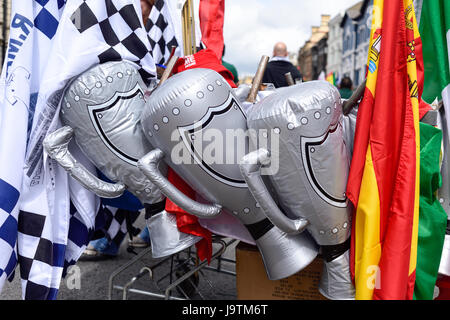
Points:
[(90, 32), (33, 27)]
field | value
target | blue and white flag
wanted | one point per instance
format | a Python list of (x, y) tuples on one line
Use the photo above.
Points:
[(33, 26), (89, 32)]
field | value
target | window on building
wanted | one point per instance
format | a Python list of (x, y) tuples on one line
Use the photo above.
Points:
[(356, 78), (361, 34), (347, 45), (367, 34)]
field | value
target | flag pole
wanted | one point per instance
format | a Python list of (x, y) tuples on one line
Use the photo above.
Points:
[(257, 80), (289, 79), (192, 26), (356, 96), (188, 24), (168, 70)]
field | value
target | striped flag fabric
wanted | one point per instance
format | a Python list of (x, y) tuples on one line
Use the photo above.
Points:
[(33, 27), (383, 184), (331, 78), (435, 31)]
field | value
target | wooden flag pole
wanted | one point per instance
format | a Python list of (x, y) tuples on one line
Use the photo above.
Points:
[(168, 70), (289, 79), (257, 80), (356, 96), (192, 27), (188, 25)]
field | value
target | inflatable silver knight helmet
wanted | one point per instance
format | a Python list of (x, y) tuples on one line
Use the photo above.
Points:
[(311, 176), (188, 119), (101, 108)]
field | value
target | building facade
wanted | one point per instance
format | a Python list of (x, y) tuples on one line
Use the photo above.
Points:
[(356, 25), (345, 41), (319, 57), (312, 57), (334, 45)]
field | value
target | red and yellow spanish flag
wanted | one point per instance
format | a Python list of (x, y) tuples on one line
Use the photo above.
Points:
[(384, 175)]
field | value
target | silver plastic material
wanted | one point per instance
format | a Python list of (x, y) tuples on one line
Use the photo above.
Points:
[(178, 118), (149, 166), (165, 238), (103, 106), (285, 254), (251, 171), (228, 226), (444, 267), (349, 128), (336, 282), (243, 91), (313, 162), (56, 145)]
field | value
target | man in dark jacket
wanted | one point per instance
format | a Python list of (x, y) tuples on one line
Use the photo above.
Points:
[(278, 66)]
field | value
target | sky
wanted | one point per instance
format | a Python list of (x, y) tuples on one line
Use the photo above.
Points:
[(252, 27)]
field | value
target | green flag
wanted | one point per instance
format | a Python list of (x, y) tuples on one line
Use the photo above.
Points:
[(432, 217), (435, 34)]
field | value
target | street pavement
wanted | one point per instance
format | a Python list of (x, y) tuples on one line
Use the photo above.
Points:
[(88, 280)]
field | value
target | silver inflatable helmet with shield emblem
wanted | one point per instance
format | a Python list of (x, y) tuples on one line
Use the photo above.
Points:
[(188, 119), (311, 174), (101, 108)]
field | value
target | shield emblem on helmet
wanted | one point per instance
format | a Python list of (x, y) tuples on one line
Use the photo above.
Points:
[(115, 122), (319, 155), (209, 144)]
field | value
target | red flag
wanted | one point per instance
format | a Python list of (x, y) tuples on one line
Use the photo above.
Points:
[(211, 24), (384, 176), (186, 222)]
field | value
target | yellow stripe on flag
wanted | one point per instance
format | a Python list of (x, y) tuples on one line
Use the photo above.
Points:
[(367, 233), (412, 73), (367, 224), (375, 45)]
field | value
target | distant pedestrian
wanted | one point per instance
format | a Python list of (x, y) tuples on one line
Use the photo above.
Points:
[(346, 88), (278, 66)]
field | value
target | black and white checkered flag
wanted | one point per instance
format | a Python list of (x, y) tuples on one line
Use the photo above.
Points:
[(40, 256), (119, 23), (110, 222), (90, 32), (161, 32), (115, 227)]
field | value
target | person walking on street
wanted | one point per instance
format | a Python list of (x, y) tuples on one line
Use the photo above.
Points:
[(278, 66), (346, 88)]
